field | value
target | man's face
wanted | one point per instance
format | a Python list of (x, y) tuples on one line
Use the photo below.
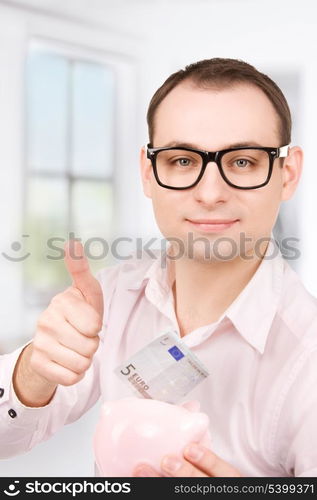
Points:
[(212, 120)]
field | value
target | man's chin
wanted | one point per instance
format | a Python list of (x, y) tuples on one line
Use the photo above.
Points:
[(205, 251), (214, 248)]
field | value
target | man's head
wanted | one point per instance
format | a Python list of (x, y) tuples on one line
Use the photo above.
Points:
[(219, 74), (212, 105)]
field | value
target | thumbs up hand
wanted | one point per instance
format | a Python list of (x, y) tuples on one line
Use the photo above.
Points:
[(66, 338), (78, 267)]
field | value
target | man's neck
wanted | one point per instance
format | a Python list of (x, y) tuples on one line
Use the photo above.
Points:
[(204, 290)]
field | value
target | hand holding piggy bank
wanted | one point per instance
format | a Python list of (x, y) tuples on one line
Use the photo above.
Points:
[(131, 431)]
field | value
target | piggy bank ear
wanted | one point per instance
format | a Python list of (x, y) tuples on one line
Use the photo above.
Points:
[(192, 405)]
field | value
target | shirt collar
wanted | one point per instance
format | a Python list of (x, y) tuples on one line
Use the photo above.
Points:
[(251, 313), (159, 271)]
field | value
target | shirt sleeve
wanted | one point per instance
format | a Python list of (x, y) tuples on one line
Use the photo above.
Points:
[(22, 427), (297, 430)]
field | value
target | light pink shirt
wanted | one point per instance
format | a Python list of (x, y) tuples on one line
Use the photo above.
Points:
[(261, 394)]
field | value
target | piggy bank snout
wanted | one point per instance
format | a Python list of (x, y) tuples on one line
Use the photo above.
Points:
[(198, 424), (203, 426), (202, 421)]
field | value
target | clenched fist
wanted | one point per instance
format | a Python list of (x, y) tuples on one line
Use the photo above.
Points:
[(66, 337)]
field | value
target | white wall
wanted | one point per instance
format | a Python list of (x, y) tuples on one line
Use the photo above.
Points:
[(151, 39), (279, 38)]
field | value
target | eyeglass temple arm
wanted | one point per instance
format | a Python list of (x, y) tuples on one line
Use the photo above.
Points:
[(283, 151)]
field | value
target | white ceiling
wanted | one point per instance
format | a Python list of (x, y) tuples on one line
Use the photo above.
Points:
[(129, 16), (92, 5)]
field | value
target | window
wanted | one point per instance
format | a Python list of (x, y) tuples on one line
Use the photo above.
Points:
[(70, 157)]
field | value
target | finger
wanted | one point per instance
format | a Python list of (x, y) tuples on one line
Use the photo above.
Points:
[(145, 470), (69, 337), (174, 466), (78, 267), (53, 372), (208, 462), (55, 352), (82, 316)]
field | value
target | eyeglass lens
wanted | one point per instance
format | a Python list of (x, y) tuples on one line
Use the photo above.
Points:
[(243, 168)]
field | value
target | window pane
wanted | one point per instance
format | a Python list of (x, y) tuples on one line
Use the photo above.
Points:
[(92, 119), (92, 209), (45, 272), (47, 82)]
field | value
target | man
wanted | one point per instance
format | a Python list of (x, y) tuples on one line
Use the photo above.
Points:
[(224, 287)]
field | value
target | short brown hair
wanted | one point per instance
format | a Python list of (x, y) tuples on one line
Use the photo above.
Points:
[(221, 73)]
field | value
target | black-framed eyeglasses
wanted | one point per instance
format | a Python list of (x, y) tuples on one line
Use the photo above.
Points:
[(242, 167)]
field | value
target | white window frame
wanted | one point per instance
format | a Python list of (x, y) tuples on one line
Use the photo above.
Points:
[(19, 28)]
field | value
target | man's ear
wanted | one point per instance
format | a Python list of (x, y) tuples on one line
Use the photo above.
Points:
[(146, 173), (292, 170)]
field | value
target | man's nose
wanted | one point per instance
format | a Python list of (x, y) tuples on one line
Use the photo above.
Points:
[(212, 188)]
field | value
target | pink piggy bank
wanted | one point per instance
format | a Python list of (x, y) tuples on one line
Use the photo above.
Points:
[(133, 430)]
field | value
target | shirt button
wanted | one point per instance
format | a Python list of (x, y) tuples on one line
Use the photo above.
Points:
[(1, 392), (12, 413)]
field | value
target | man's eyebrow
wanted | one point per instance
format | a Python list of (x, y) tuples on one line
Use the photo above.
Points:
[(195, 146)]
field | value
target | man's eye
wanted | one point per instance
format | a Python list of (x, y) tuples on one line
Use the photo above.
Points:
[(242, 163), (183, 162)]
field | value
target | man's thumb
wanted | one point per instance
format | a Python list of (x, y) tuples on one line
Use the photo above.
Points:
[(77, 265)]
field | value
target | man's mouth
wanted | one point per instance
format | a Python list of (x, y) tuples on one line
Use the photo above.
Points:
[(212, 225)]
